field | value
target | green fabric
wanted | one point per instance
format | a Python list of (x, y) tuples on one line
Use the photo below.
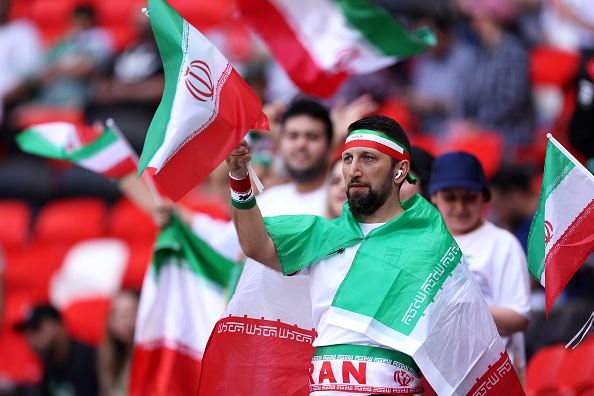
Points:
[(383, 31), (395, 260), (177, 245)]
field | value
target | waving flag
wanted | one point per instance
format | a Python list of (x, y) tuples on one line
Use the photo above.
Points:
[(562, 232), (104, 152), (206, 108), (321, 42), (183, 295)]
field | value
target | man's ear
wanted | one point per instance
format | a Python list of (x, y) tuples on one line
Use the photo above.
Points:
[(401, 170)]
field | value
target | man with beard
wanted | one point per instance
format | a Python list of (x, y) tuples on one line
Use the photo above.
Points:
[(70, 367), (390, 292)]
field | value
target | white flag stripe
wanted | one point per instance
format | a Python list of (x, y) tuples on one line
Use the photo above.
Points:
[(107, 158), (577, 163), (59, 134), (188, 114), (375, 138), (329, 38), (163, 310)]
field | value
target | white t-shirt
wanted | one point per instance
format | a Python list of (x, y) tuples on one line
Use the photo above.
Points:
[(20, 53), (498, 263), (325, 277), (278, 200)]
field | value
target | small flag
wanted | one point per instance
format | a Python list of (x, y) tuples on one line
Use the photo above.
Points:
[(183, 295), (562, 231), (107, 152), (206, 108), (321, 42)]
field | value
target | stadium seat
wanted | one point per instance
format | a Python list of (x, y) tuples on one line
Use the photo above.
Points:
[(543, 369), (15, 218), (577, 372), (18, 362), (69, 220), (126, 221), (204, 14), (86, 320), (52, 17)]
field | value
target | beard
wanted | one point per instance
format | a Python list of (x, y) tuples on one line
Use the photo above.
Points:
[(365, 204), (309, 174)]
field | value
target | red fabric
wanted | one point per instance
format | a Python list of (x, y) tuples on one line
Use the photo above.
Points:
[(121, 169), (161, 371), (241, 186), (240, 110), (379, 147), (568, 253), (285, 44), (500, 379), (281, 367)]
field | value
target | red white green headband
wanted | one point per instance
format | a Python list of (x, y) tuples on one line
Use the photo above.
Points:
[(380, 142)]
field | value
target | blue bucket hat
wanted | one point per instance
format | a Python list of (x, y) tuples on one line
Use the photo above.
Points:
[(458, 169)]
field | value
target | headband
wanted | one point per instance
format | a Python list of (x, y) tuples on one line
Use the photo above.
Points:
[(381, 143)]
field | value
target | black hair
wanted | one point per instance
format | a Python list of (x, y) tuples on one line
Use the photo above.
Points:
[(85, 10), (310, 108), (421, 162), (510, 177), (385, 125)]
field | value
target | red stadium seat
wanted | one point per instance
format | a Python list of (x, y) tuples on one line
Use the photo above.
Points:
[(18, 362), (127, 221), (15, 218), (52, 17), (543, 369), (577, 372), (69, 220), (86, 320)]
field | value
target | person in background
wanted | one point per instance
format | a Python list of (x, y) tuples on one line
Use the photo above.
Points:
[(513, 201), (458, 189), (335, 187), (115, 354), (420, 169), (70, 366)]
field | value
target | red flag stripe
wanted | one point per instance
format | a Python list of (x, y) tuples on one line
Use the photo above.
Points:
[(568, 253), (272, 26), (121, 169), (500, 379)]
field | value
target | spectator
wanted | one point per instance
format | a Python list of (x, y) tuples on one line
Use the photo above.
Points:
[(458, 188), (335, 187), (436, 77), (115, 354), (513, 201), (420, 167), (496, 91), (70, 367), (20, 55), (71, 63)]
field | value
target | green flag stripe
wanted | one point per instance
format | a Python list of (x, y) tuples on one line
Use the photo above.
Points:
[(382, 135), (383, 31), (367, 351), (107, 138), (170, 30), (177, 245), (32, 142)]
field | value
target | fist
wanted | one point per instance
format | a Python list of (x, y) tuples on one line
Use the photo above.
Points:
[(238, 159)]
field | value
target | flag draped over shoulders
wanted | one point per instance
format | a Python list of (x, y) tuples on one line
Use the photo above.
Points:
[(320, 43), (183, 295), (562, 231), (205, 111), (104, 152), (408, 289)]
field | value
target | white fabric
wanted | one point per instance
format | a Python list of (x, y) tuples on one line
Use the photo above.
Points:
[(283, 199), (498, 263)]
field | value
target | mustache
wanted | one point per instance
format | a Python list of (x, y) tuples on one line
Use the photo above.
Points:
[(356, 181)]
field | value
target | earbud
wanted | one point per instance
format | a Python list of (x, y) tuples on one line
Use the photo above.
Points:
[(400, 172)]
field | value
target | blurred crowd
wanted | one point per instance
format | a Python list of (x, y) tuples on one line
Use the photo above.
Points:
[(502, 74)]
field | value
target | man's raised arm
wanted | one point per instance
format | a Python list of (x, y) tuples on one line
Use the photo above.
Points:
[(253, 237)]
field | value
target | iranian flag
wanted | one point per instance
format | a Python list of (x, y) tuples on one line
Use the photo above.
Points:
[(205, 111), (562, 232), (183, 295), (105, 152), (320, 43)]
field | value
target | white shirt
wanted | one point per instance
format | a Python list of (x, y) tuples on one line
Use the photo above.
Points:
[(283, 199), (20, 53), (498, 263)]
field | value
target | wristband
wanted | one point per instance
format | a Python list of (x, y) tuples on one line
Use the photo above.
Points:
[(242, 196)]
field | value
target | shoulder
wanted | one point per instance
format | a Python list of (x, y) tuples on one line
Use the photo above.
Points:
[(502, 236)]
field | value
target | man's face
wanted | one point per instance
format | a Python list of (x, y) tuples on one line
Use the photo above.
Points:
[(368, 176), (460, 208), (304, 146), (42, 338)]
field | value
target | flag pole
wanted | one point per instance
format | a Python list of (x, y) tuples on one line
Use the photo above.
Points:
[(570, 156), (148, 180)]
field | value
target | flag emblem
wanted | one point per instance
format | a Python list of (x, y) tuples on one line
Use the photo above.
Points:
[(199, 81), (548, 232), (402, 377)]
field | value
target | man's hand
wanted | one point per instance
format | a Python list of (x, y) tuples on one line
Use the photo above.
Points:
[(238, 159)]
